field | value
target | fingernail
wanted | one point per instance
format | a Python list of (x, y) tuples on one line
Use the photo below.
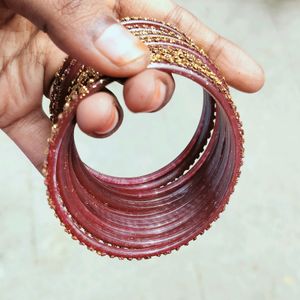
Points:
[(159, 97), (111, 124), (119, 45)]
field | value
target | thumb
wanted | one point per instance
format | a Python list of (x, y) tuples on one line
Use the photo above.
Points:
[(88, 31)]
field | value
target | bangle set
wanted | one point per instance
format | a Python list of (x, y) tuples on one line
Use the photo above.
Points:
[(154, 214)]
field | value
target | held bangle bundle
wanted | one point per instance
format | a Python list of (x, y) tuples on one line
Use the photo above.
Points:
[(153, 214)]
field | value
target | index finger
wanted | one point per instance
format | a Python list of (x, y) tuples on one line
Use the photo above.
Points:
[(239, 69)]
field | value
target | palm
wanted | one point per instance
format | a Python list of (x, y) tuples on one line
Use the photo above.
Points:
[(22, 56)]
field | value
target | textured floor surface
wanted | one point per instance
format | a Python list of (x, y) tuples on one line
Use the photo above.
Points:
[(251, 252)]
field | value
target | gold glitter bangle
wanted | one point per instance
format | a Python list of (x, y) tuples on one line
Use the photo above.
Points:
[(153, 214)]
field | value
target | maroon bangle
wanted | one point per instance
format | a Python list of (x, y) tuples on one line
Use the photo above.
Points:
[(153, 214)]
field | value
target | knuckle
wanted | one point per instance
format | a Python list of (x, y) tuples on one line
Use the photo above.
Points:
[(67, 7), (217, 47), (175, 16), (80, 13), (184, 20)]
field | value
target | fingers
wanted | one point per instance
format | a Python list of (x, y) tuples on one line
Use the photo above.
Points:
[(239, 69), (148, 91), (99, 114), (88, 31)]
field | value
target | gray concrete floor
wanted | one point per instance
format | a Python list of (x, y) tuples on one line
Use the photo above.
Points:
[(251, 252)]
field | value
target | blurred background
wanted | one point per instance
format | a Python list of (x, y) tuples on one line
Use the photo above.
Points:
[(251, 252)]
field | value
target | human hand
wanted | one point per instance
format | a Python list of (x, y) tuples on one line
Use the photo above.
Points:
[(36, 35)]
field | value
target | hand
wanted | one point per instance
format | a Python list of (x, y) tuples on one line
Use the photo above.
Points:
[(36, 35)]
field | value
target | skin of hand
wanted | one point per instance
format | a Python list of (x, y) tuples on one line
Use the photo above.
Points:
[(37, 35)]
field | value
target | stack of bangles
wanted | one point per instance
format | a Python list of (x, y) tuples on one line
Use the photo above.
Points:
[(154, 214)]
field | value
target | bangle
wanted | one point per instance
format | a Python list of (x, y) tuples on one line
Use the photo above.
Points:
[(153, 214)]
